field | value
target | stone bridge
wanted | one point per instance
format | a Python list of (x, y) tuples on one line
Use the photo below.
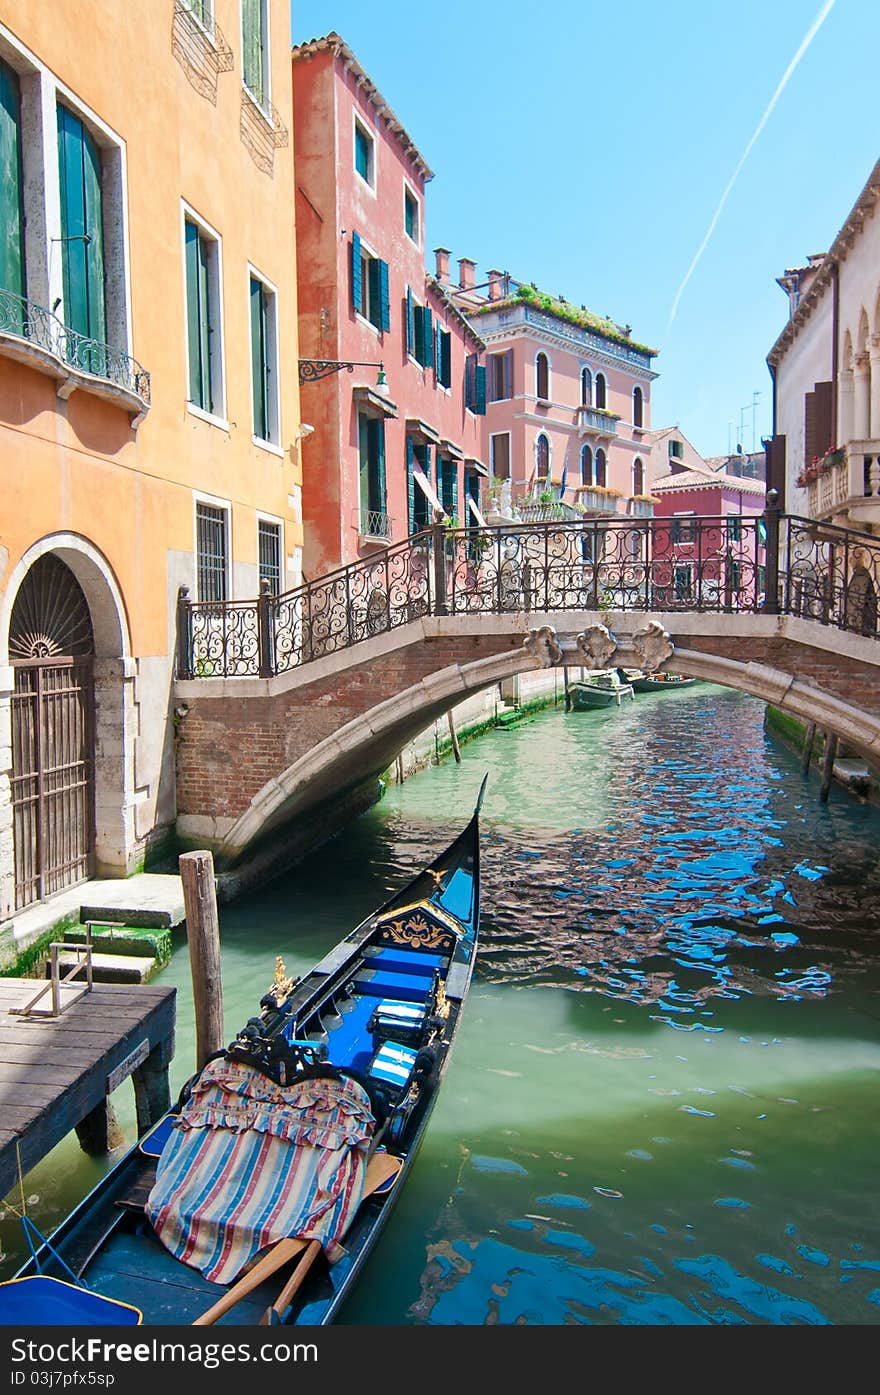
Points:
[(301, 749)]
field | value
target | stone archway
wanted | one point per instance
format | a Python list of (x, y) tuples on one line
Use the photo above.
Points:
[(65, 722)]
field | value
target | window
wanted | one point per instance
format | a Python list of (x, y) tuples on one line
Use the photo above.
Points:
[(499, 455), (255, 49), (500, 376), (475, 385), (269, 553), (443, 358), (601, 391), (364, 153), (410, 215), (369, 285), (638, 406), (419, 331), (82, 229), (11, 247), (542, 457), (542, 378), (676, 449), (586, 465), (683, 529), (601, 468), (374, 521), (203, 335), (638, 485), (447, 485), (203, 11), (586, 388), (417, 456), (734, 529), (212, 552), (264, 361), (683, 582)]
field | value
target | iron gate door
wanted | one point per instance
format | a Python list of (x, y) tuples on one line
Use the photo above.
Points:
[(52, 776)]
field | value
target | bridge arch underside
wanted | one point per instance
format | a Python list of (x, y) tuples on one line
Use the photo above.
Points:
[(840, 693)]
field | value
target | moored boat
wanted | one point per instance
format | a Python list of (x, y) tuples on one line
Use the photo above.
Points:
[(661, 682), (260, 1196), (603, 688)]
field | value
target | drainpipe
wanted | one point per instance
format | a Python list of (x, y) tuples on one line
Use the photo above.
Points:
[(835, 334)]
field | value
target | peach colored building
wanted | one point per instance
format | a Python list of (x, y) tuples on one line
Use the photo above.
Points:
[(568, 396), (149, 430), (389, 446)]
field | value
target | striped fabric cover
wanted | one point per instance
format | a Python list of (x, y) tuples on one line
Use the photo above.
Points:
[(251, 1162), (393, 1063)]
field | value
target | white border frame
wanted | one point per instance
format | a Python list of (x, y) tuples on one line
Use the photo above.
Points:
[(273, 446), (282, 562), (358, 120), (189, 215), (408, 189), (549, 397), (198, 497)]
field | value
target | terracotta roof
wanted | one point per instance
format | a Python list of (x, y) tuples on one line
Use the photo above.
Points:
[(861, 209), (705, 479), (333, 43), (439, 290)]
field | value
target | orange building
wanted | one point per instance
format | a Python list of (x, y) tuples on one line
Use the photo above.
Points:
[(149, 439)]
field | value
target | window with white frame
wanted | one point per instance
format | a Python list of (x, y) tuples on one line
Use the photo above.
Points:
[(499, 376), (586, 465), (264, 360), (420, 339), (638, 407), (411, 220), (212, 552), (638, 478), (601, 468), (255, 49), (269, 553), (601, 390), (542, 457), (586, 388), (542, 377), (203, 11), (364, 153), (204, 338), (369, 285)]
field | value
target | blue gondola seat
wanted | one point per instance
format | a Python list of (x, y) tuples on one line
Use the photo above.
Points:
[(40, 1301), (396, 1021), (393, 1064)]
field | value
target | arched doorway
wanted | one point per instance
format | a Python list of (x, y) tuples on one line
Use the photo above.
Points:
[(51, 649)]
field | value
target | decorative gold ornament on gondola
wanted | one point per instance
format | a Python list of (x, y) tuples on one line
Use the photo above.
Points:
[(282, 985)]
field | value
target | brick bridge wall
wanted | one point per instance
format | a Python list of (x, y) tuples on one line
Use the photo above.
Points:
[(254, 753)]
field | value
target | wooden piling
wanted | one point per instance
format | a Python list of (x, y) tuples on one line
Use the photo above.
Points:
[(828, 765), (203, 935), (454, 738), (808, 748), (565, 688)]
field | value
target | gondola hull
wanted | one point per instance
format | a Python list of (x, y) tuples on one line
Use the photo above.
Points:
[(413, 958)]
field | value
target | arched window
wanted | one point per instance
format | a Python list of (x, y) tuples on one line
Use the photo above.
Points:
[(542, 457), (600, 466), (638, 407), (586, 465), (600, 390), (542, 378), (586, 387), (638, 475)]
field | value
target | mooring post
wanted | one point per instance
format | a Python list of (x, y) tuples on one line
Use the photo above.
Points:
[(152, 1090), (828, 765), (203, 935), (808, 748), (455, 747), (99, 1132)]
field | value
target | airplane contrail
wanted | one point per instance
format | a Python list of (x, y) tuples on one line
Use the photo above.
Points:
[(783, 83)]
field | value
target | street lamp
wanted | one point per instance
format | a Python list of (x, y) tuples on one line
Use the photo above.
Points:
[(312, 370)]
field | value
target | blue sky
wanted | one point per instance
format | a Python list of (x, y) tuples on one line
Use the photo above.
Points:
[(586, 146)]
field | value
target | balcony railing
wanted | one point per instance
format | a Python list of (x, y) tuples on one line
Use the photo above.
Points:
[(35, 334), (373, 523), (640, 508), (770, 563), (596, 499), (595, 421)]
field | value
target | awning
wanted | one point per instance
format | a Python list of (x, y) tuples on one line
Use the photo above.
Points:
[(427, 489), (475, 510), (450, 449), (372, 402), (424, 433), (477, 467)]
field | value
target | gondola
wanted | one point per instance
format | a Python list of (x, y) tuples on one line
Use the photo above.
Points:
[(325, 1094)]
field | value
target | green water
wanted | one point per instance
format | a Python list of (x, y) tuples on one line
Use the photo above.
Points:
[(661, 1108)]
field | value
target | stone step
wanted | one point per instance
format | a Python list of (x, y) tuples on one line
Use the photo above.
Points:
[(126, 940), (109, 968)]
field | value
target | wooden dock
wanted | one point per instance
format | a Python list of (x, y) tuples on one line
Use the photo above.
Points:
[(57, 1073)]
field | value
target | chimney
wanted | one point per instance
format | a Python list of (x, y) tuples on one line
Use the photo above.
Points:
[(467, 274), (442, 271), (495, 292)]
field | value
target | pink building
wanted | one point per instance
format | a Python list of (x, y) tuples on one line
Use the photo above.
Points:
[(387, 447), (568, 396), (718, 562)]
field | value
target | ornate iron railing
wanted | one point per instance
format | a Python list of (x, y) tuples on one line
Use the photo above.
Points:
[(768, 563), (373, 523), (41, 329)]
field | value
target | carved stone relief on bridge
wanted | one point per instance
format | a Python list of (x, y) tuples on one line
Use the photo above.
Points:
[(653, 646), (598, 645), (544, 646)]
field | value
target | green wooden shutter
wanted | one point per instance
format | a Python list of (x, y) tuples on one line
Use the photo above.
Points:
[(381, 490), (82, 246), (252, 46), (11, 258), (357, 290), (427, 355), (470, 381), (374, 309), (258, 361), (410, 484), (198, 319), (410, 323), (480, 385), (445, 348), (364, 460), (384, 302)]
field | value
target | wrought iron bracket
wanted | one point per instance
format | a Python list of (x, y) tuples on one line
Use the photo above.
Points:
[(311, 370)]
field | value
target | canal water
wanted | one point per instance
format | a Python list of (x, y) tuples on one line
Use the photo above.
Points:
[(662, 1104)]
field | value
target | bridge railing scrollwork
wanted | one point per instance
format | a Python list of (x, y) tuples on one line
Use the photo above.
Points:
[(769, 563)]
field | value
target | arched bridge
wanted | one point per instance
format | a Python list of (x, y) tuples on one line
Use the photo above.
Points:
[(290, 704)]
